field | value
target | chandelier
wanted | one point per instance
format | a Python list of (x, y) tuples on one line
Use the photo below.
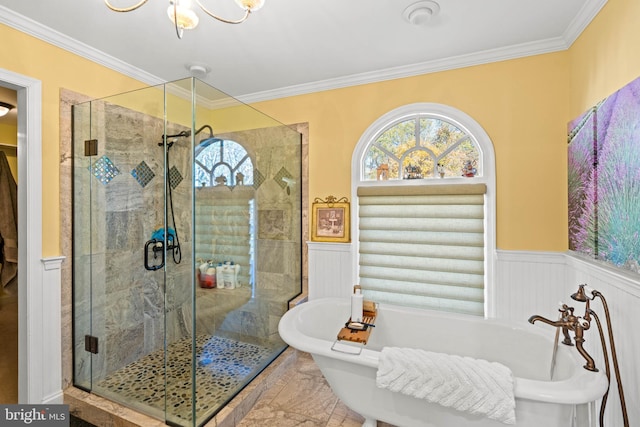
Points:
[(184, 18)]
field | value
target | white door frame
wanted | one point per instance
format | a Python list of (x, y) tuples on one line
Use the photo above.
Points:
[(31, 375)]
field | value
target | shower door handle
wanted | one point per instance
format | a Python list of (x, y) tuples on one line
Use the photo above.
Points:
[(154, 246)]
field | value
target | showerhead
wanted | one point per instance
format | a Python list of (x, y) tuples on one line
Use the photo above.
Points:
[(208, 141)]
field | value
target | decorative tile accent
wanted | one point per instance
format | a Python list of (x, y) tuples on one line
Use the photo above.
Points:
[(104, 170), (174, 177), (223, 366), (282, 173), (143, 174), (258, 179)]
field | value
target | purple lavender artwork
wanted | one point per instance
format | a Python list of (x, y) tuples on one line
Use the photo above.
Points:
[(604, 180)]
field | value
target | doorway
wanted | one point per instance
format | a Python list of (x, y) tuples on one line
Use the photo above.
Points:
[(8, 249), (32, 354)]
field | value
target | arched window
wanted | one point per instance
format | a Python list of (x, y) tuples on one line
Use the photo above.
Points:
[(424, 189), (221, 161), (421, 146)]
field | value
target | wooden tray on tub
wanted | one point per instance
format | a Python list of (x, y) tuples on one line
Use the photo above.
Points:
[(355, 334)]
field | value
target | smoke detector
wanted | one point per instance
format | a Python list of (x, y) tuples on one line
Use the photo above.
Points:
[(421, 13), (198, 70)]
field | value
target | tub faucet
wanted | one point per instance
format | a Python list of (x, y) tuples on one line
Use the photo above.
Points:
[(570, 322)]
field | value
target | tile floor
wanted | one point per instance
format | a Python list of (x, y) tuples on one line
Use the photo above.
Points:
[(217, 375), (299, 397), (302, 397)]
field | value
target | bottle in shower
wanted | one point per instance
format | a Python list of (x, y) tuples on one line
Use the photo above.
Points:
[(229, 275)]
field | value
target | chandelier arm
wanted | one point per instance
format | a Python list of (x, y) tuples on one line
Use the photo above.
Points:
[(124, 9), (227, 21), (179, 31)]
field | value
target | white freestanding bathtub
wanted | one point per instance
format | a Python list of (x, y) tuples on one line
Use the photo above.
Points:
[(565, 401)]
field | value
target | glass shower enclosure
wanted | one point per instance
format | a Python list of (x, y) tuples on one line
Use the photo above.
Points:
[(186, 249)]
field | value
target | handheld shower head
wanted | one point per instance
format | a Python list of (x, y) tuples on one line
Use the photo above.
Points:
[(183, 134), (581, 294)]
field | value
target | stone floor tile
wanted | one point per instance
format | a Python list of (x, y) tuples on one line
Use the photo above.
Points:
[(306, 395), (268, 416)]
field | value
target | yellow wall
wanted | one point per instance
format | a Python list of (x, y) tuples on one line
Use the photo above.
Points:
[(605, 57), (56, 69), (524, 106)]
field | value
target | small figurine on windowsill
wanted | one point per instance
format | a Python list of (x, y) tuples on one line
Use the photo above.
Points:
[(469, 169), (221, 180), (412, 172), (382, 173), (441, 170), (239, 178)]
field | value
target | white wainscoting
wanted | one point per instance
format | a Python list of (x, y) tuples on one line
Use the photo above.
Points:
[(528, 283), (622, 294), (50, 334), (330, 270)]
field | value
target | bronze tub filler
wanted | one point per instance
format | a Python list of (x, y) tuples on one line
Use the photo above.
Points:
[(578, 324)]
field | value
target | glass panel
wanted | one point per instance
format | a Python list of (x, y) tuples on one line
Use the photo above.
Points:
[(438, 135), (376, 165), (182, 283), (125, 206), (417, 165), (464, 160), (82, 244), (399, 138), (178, 211), (128, 292), (247, 244)]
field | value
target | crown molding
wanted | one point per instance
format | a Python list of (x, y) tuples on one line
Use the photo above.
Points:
[(49, 35), (582, 20), (462, 61)]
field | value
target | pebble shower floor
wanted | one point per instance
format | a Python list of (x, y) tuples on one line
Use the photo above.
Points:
[(223, 365)]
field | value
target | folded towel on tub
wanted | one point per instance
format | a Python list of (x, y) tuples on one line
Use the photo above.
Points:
[(471, 385)]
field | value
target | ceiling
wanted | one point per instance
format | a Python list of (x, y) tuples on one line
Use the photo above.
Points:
[(299, 46)]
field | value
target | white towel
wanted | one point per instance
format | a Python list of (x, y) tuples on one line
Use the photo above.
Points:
[(471, 385)]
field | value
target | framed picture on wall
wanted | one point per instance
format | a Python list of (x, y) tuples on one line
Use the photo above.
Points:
[(330, 220)]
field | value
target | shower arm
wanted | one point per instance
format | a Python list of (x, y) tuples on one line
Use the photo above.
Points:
[(187, 133), (203, 128)]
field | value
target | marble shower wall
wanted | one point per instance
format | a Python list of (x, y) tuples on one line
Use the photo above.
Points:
[(276, 153), (114, 215), (116, 212)]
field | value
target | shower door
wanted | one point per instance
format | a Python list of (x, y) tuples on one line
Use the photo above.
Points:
[(133, 269)]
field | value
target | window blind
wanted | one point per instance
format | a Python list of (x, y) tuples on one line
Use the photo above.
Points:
[(423, 246), (223, 228)]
